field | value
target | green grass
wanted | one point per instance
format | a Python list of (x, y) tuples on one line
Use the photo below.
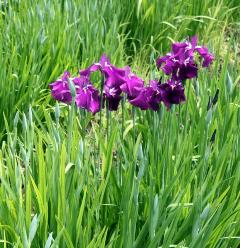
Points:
[(135, 179)]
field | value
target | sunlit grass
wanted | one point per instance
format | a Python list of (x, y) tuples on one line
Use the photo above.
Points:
[(135, 179)]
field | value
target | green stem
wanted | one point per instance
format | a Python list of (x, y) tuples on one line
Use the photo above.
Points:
[(70, 129), (185, 117), (100, 123)]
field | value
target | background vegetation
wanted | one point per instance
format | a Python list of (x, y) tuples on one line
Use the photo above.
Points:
[(133, 179)]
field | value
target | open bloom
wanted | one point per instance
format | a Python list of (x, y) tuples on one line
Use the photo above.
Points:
[(180, 62), (149, 97), (114, 78), (88, 98), (207, 57), (112, 96), (116, 81), (172, 92), (132, 85), (60, 89)]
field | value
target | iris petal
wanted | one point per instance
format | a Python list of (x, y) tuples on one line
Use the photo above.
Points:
[(180, 62)]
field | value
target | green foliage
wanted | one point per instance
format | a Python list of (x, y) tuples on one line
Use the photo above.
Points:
[(131, 178)]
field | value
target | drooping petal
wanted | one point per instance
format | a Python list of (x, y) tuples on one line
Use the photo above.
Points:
[(169, 67), (162, 60), (180, 62), (88, 98), (82, 99), (113, 96), (94, 102), (141, 100), (204, 53), (149, 97), (155, 85), (152, 98), (60, 90), (172, 93), (133, 85), (187, 72), (113, 102)]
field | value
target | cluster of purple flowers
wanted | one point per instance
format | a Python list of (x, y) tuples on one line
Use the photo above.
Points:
[(180, 64)]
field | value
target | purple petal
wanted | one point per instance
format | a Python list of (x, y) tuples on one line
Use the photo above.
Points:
[(95, 102), (149, 97), (82, 99), (88, 98), (172, 93), (65, 76), (194, 41), (141, 100), (132, 86), (113, 102), (104, 60), (115, 77), (60, 90), (162, 60), (180, 62), (187, 72), (112, 96), (169, 67), (179, 47), (207, 57), (89, 70)]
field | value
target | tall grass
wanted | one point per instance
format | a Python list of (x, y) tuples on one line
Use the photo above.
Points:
[(133, 179)]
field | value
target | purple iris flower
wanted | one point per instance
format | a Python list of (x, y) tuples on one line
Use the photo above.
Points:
[(114, 78), (207, 57), (60, 89), (154, 97), (148, 97), (180, 62), (112, 96), (141, 100), (88, 98), (133, 85), (172, 92)]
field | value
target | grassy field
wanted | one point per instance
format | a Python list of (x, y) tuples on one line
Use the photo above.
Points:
[(127, 178)]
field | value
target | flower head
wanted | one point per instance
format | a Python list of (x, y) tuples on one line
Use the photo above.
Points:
[(116, 81), (148, 98), (113, 96), (207, 57), (114, 77), (132, 85), (88, 98), (180, 62), (60, 89), (172, 92)]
